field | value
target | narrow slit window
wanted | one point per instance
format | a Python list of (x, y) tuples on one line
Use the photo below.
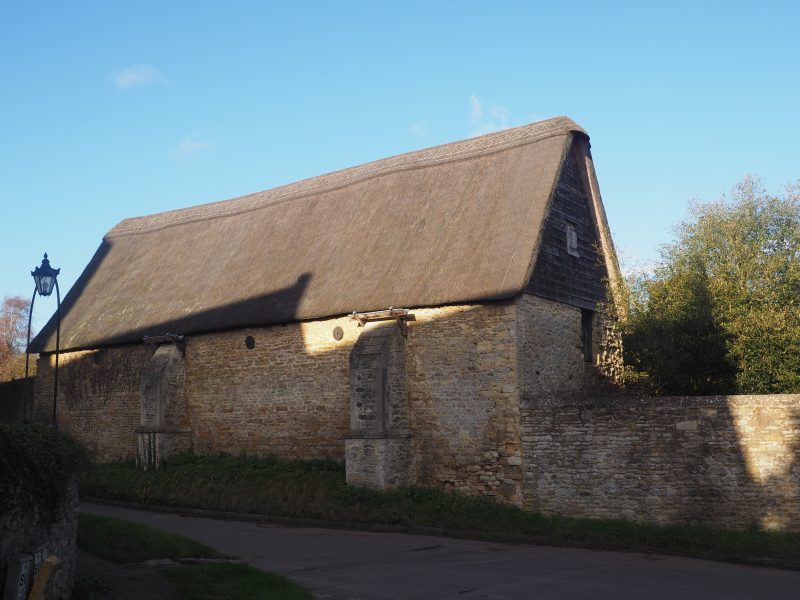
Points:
[(587, 324), (572, 241)]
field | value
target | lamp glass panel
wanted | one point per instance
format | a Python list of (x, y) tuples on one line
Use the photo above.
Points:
[(46, 285)]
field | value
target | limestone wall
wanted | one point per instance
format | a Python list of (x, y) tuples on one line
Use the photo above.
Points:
[(726, 461), (552, 367), (551, 360), (463, 397), (288, 395), (98, 397)]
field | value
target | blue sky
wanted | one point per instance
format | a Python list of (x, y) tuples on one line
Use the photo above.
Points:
[(110, 110)]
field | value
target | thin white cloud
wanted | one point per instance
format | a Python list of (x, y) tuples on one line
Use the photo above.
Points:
[(138, 76), (475, 110), (486, 119), (191, 145), (419, 130)]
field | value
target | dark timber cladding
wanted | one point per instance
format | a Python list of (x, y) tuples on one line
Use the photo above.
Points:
[(558, 275)]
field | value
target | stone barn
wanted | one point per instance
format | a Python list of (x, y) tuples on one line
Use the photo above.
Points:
[(403, 315)]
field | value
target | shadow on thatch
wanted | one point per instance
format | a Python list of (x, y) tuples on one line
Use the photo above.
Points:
[(253, 312)]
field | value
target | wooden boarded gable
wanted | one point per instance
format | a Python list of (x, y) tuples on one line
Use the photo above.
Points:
[(574, 275)]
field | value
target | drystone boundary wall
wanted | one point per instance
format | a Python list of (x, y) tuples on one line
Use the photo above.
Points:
[(724, 461), (38, 511), (27, 537)]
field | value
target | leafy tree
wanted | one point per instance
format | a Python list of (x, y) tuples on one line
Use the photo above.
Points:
[(13, 336), (721, 313), (673, 338)]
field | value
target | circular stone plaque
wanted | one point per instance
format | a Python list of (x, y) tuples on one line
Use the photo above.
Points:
[(338, 333)]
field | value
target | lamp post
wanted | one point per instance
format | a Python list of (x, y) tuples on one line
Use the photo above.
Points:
[(46, 278)]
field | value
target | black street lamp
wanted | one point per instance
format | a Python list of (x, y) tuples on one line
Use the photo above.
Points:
[(46, 277)]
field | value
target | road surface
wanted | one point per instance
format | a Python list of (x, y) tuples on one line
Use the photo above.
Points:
[(356, 565)]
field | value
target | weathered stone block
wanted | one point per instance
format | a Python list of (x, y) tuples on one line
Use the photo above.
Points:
[(686, 426), (380, 463)]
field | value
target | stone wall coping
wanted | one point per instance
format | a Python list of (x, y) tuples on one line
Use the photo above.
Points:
[(619, 399)]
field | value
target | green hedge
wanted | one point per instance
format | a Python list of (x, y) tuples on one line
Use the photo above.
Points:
[(36, 465)]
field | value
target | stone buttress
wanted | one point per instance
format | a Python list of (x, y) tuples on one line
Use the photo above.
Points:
[(378, 446), (163, 430)]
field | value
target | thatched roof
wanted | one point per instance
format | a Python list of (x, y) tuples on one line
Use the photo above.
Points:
[(451, 224)]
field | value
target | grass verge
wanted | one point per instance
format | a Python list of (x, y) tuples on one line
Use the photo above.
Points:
[(121, 541), (317, 489), (237, 582)]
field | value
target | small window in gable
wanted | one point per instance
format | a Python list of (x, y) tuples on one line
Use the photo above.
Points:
[(572, 240)]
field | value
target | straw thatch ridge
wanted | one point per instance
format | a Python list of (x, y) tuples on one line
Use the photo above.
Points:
[(451, 224), (484, 144)]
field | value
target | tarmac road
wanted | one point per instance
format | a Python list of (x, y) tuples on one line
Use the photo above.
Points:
[(356, 565)]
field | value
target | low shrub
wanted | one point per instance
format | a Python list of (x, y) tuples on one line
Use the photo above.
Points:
[(37, 464)]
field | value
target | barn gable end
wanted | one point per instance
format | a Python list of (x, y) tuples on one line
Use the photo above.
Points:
[(577, 275)]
